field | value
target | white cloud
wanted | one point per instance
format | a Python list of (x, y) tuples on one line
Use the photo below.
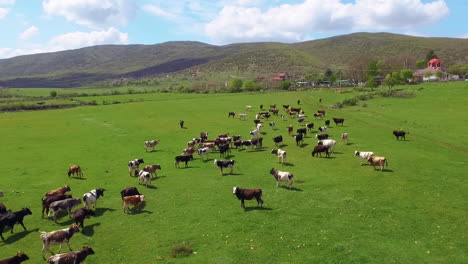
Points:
[(7, 2), (415, 33), (158, 11), (464, 36), (4, 12), (92, 13), (29, 33), (83, 39), (292, 22)]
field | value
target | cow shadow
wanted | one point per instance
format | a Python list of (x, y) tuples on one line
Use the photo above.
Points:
[(303, 145), (17, 236), (387, 170), (101, 211), (77, 178), (256, 208), (151, 187), (349, 144), (336, 152), (88, 230), (232, 174), (292, 188), (288, 164), (282, 145), (229, 156), (68, 222)]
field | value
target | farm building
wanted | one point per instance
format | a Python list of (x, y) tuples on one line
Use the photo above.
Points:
[(433, 66)]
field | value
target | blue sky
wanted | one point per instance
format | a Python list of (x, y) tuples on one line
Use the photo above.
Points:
[(51, 25)]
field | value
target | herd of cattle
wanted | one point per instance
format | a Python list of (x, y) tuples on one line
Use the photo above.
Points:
[(56, 201)]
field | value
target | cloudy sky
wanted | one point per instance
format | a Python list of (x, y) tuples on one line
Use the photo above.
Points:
[(50, 25)]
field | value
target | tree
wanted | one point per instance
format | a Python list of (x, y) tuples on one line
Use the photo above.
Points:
[(235, 85), (391, 80), (285, 85), (313, 78), (333, 78), (328, 73), (406, 75), (374, 68), (428, 74), (371, 82), (250, 85), (438, 74), (430, 55), (53, 94), (421, 64)]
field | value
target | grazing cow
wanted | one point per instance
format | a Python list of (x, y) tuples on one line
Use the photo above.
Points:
[(18, 258), (233, 114), (57, 237), (222, 164), (238, 144), (285, 107), (181, 123), (257, 142), (379, 161), (290, 129), (272, 125), (151, 144), (208, 145), (257, 121), (302, 131), (48, 200), (58, 191), (300, 121), (399, 133), (144, 177), (134, 165), (278, 139), (363, 155), (282, 117), (204, 136), (274, 111), (254, 133), (344, 137), (327, 123), (135, 201), (64, 205), (223, 149), (338, 121), (3, 209), (281, 154), (310, 126), (328, 142), (203, 152), (248, 107), (248, 194), (185, 159), (321, 136), (266, 115), (261, 107), (323, 129), (273, 106), (319, 149), (152, 168), (243, 116), (130, 191), (11, 219), (282, 176), (299, 139), (74, 257), (75, 170), (318, 115), (90, 198), (80, 215), (321, 111)]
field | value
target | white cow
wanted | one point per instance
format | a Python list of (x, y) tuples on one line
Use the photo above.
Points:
[(91, 197), (363, 155), (282, 176), (328, 142), (281, 154), (144, 177), (248, 107), (254, 133), (151, 144), (242, 116)]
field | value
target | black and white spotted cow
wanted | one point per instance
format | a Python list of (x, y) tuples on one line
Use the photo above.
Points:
[(134, 165), (223, 164)]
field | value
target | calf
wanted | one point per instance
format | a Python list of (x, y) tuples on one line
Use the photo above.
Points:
[(338, 121), (399, 134), (130, 191), (222, 164), (379, 161), (319, 149), (272, 125), (321, 136), (363, 155), (58, 191), (299, 139), (278, 139), (152, 168), (90, 198), (75, 170), (282, 176), (18, 258), (203, 152), (57, 237), (134, 165), (151, 144), (344, 137), (64, 205), (185, 159), (323, 129), (233, 114), (11, 219), (80, 215), (302, 131), (310, 126), (281, 154), (144, 177), (135, 201), (248, 194), (74, 257), (48, 200)]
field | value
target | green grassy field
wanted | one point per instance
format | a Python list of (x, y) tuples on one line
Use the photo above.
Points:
[(338, 211)]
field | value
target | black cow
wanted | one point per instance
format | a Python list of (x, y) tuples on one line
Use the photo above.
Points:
[(257, 121), (321, 136), (248, 194), (319, 149), (247, 143), (223, 149), (11, 219), (278, 139), (338, 121), (233, 114), (48, 200), (258, 142), (3, 209), (327, 123), (299, 139), (185, 159), (238, 144), (18, 258), (302, 131), (80, 214), (130, 191), (399, 133), (310, 126), (222, 164)]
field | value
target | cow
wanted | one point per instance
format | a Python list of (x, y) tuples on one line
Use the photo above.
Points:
[(74, 257), (248, 194), (233, 114), (236, 138), (90, 198), (11, 219), (57, 237), (338, 121), (285, 107), (327, 123), (272, 125), (302, 131), (223, 149), (3, 209), (363, 155), (257, 121), (257, 142), (135, 200), (64, 205), (274, 111), (281, 154), (318, 115), (247, 143), (321, 111), (48, 200), (259, 126), (261, 107), (75, 170), (203, 152), (254, 133), (248, 107), (328, 142), (379, 161), (290, 129), (319, 149), (129, 191), (222, 164), (208, 145), (181, 123), (18, 258), (309, 126), (204, 136), (238, 144), (144, 177), (344, 137), (323, 129), (292, 109), (399, 134), (266, 115), (282, 176), (300, 121), (151, 144), (273, 106), (134, 165), (152, 168), (185, 159), (242, 116), (80, 214), (58, 191), (278, 139), (321, 136), (299, 139)]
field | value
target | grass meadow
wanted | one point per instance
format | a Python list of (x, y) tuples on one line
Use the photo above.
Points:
[(415, 211)]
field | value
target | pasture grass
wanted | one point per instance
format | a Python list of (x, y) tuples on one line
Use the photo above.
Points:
[(415, 211)]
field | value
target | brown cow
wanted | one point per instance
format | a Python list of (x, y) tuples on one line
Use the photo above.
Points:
[(58, 191), (379, 161), (152, 169), (135, 200), (73, 257), (18, 258), (58, 237), (75, 170)]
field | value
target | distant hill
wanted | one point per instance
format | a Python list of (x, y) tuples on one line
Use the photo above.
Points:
[(93, 64)]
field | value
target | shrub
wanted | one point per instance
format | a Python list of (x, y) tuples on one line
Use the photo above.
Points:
[(182, 250), (53, 94)]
